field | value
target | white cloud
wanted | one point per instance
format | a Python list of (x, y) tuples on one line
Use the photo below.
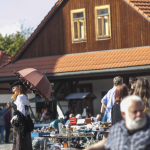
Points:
[(31, 11), (9, 29)]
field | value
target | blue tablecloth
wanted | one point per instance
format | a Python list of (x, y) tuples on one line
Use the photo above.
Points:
[(39, 134), (90, 130)]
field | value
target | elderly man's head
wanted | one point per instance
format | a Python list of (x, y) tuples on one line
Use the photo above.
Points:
[(132, 111), (99, 117)]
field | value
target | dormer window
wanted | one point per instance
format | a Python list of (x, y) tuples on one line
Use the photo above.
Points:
[(78, 25), (102, 22)]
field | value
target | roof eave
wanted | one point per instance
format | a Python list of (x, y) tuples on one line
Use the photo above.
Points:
[(89, 73), (128, 2), (102, 72), (8, 79)]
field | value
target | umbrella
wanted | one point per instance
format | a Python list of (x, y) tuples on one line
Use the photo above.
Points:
[(36, 81)]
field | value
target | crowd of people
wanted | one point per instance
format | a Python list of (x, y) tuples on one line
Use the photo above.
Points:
[(128, 109), (111, 101)]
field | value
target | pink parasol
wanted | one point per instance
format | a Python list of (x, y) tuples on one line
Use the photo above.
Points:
[(37, 82)]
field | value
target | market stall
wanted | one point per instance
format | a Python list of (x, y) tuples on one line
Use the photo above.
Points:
[(68, 135), (56, 135), (79, 101)]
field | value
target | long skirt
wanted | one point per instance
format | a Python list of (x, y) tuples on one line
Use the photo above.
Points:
[(20, 143)]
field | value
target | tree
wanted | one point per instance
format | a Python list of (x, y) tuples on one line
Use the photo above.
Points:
[(13, 42)]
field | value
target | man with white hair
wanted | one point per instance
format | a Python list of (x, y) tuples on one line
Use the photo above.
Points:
[(132, 133)]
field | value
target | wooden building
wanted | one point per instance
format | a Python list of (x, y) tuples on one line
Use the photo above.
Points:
[(84, 44), (5, 58)]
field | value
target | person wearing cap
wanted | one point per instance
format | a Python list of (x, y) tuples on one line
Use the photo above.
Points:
[(108, 99), (22, 123)]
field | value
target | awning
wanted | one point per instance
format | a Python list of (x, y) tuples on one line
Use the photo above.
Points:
[(37, 99), (77, 96)]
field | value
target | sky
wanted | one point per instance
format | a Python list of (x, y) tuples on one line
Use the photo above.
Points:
[(28, 12)]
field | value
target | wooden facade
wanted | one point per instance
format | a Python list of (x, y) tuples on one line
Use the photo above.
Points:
[(5, 88), (128, 29)]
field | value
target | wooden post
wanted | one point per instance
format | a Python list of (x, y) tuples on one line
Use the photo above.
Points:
[(90, 110), (92, 107), (58, 88), (74, 86)]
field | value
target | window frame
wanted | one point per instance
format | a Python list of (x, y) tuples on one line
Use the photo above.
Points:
[(89, 85), (83, 19), (103, 37)]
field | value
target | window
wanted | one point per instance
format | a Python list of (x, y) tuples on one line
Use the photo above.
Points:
[(78, 25), (84, 88), (102, 22)]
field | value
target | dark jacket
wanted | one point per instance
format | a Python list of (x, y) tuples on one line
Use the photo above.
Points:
[(116, 114), (7, 118), (3, 111)]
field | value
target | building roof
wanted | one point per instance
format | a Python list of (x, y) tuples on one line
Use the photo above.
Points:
[(5, 58), (142, 6), (82, 61)]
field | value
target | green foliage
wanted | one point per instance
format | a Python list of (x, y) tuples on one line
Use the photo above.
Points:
[(13, 42)]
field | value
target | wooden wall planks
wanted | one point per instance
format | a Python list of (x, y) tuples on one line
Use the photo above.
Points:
[(128, 28), (7, 86)]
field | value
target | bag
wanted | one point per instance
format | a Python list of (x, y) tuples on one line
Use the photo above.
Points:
[(104, 119), (29, 124), (73, 121)]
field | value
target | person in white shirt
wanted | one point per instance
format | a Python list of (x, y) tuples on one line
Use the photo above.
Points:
[(21, 120)]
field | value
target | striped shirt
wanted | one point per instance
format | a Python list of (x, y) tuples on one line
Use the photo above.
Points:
[(120, 139)]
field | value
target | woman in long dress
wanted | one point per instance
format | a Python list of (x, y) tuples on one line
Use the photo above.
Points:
[(21, 120)]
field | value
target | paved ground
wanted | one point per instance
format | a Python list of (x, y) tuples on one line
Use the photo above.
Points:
[(6, 146)]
